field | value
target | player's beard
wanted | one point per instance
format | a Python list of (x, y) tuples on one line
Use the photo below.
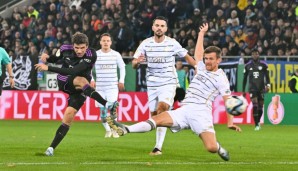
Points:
[(210, 67), (159, 35)]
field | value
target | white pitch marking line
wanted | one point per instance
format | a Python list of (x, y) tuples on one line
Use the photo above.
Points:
[(153, 163)]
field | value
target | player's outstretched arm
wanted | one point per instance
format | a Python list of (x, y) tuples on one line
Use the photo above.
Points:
[(81, 67), (199, 51), (64, 71), (190, 60), (230, 123), (51, 58)]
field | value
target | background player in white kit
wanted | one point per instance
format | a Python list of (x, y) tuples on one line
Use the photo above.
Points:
[(196, 111), (106, 83), (160, 51)]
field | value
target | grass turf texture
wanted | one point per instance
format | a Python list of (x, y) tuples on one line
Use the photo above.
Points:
[(22, 144)]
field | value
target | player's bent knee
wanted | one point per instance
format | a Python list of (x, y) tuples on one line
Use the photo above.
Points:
[(79, 82), (162, 107)]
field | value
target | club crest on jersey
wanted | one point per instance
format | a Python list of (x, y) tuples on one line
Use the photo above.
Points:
[(260, 67), (87, 60), (202, 78)]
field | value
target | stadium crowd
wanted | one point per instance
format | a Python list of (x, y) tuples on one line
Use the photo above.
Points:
[(236, 26)]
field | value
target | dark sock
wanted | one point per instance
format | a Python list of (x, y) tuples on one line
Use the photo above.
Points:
[(89, 91), (60, 133), (255, 113), (260, 113)]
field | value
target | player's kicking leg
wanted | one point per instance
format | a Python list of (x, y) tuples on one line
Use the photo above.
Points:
[(119, 128), (112, 106), (223, 153), (213, 146)]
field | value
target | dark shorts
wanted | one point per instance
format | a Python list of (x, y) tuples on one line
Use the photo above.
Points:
[(1, 85), (76, 98)]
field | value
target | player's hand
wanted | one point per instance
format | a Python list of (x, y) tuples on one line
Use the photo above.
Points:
[(203, 28), (11, 82), (141, 58), (92, 84), (121, 87), (44, 57), (41, 67), (235, 127)]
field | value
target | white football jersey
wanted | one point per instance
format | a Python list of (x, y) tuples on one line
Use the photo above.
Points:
[(206, 86), (160, 59), (106, 69)]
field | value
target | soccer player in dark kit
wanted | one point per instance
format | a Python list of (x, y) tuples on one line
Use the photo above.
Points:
[(74, 79), (257, 72)]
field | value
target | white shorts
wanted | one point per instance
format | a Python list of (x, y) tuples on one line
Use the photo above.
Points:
[(109, 95), (161, 94), (192, 116)]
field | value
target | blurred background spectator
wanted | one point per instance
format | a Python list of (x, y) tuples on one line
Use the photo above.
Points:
[(236, 26)]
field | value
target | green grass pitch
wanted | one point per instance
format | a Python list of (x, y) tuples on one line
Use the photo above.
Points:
[(85, 148)]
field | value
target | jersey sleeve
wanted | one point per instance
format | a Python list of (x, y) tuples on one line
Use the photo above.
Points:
[(121, 66), (86, 63), (120, 62), (90, 58), (179, 50), (224, 85), (140, 50), (70, 71), (5, 58)]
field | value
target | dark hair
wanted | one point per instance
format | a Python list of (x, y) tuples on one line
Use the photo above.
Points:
[(105, 34), (254, 50), (215, 49), (80, 38), (161, 18)]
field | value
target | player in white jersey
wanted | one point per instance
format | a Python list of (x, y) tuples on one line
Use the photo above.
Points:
[(159, 52), (107, 84), (196, 111)]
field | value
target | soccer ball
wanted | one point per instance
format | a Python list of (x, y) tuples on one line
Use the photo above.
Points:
[(236, 105)]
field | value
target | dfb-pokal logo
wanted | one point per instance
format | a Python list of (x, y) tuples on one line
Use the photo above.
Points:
[(275, 110)]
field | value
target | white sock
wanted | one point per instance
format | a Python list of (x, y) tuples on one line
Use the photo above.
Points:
[(160, 136), (219, 148), (103, 113), (142, 126), (106, 126)]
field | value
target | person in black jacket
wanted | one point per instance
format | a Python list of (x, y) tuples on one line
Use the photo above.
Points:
[(293, 83), (257, 73), (74, 79)]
